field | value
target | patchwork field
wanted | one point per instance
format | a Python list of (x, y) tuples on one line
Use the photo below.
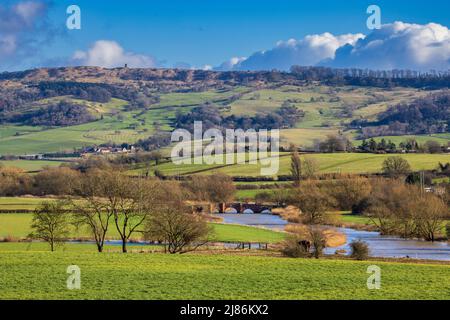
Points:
[(323, 107), (442, 138), (34, 274), (327, 163)]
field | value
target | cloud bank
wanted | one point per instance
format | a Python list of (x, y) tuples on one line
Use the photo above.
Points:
[(308, 51), (109, 54), (399, 46), (395, 46)]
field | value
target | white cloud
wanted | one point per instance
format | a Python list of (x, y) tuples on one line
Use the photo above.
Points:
[(28, 10), (308, 51), (8, 45), (399, 46), (230, 64), (395, 46), (109, 54)]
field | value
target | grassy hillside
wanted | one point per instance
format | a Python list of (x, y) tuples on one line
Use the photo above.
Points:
[(325, 113), (42, 275), (114, 123)]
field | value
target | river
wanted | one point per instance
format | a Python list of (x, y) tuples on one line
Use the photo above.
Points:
[(380, 246)]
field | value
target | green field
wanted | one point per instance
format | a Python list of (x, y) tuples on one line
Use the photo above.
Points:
[(17, 226), (442, 138), (238, 233), (327, 163), (42, 275), (348, 217), (30, 165), (21, 203), (250, 193)]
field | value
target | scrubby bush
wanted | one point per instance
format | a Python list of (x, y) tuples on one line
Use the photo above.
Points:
[(312, 201), (291, 248), (14, 182), (56, 181), (362, 206), (318, 240), (348, 192), (360, 250)]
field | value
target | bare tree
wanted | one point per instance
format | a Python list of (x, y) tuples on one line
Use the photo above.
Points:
[(318, 240), (391, 207), (215, 188), (180, 230), (310, 167), (156, 156), (396, 166), (335, 143), (348, 192), (433, 146), (312, 202), (296, 168), (93, 211), (429, 213), (129, 201), (50, 223)]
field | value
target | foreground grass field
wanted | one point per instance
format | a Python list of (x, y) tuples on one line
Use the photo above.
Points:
[(42, 275)]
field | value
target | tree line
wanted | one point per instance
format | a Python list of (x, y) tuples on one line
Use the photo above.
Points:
[(63, 113), (397, 204), (150, 209), (285, 117), (428, 115)]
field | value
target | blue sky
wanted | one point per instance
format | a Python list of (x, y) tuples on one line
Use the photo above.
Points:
[(209, 32)]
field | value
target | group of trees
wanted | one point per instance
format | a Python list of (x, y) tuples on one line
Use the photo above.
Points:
[(406, 210), (63, 113), (285, 117), (334, 143), (410, 145), (373, 78), (108, 199), (68, 181), (397, 204), (103, 197), (394, 207), (50, 181), (426, 115)]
